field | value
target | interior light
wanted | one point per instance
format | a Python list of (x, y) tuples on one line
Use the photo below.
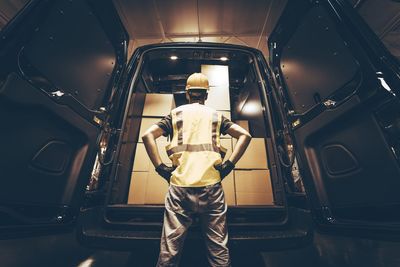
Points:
[(223, 58), (173, 57), (251, 108)]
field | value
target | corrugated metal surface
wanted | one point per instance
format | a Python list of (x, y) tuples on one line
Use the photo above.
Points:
[(383, 16), (241, 22), (245, 22)]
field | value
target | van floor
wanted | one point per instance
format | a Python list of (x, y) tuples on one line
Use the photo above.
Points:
[(237, 215), (63, 250)]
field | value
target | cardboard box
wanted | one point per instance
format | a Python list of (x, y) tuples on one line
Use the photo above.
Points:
[(158, 105), (142, 161), (218, 98), (147, 188), (218, 75), (137, 188), (150, 188), (255, 156), (253, 187), (228, 185), (145, 124), (256, 199), (156, 189), (218, 78), (244, 124)]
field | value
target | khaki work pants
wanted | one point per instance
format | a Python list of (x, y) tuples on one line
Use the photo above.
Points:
[(180, 204)]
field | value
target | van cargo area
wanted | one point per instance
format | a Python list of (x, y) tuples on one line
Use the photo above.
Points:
[(253, 191), (158, 87)]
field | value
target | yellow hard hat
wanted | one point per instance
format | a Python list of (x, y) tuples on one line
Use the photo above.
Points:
[(197, 81)]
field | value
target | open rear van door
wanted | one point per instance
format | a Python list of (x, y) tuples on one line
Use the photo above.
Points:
[(340, 88), (60, 66)]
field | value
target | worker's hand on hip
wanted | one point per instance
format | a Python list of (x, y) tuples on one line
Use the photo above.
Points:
[(165, 171), (225, 168)]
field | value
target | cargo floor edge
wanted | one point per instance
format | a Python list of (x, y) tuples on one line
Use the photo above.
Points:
[(94, 231)]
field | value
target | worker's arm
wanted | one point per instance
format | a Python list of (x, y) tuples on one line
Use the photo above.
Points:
[(243, 139), (149, 141)]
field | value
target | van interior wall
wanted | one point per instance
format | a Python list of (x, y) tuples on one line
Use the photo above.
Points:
[(248, 185), (120, 188)]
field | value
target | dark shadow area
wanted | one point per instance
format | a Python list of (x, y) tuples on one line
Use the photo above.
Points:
[(327, 251)]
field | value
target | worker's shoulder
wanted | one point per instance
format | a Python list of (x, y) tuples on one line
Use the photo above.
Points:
[(193, 107), (177, 109)]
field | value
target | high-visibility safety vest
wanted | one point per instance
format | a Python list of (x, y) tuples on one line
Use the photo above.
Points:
[(195, 146)]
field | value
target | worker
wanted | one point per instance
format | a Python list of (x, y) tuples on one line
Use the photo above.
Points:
[(196, 173)]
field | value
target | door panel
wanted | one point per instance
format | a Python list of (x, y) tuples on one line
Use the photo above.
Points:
[(86, 54), (59, 66), (43, 142), (333, 96), (327, 70)]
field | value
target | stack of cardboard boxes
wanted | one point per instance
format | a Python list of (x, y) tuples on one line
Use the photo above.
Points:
[(252, 177), (248, 184), (219, 99), (146, 186)]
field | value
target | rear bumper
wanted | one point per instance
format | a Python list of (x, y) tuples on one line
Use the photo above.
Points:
[(94, 232)]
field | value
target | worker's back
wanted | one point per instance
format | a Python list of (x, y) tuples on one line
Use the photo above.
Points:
[(195, 148)]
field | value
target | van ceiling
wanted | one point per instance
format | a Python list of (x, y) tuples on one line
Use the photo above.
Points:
[(244, 22), (240, 22), (383, 16)]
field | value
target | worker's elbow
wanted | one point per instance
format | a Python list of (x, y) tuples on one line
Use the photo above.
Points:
[(248, 136), (145, 137)]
